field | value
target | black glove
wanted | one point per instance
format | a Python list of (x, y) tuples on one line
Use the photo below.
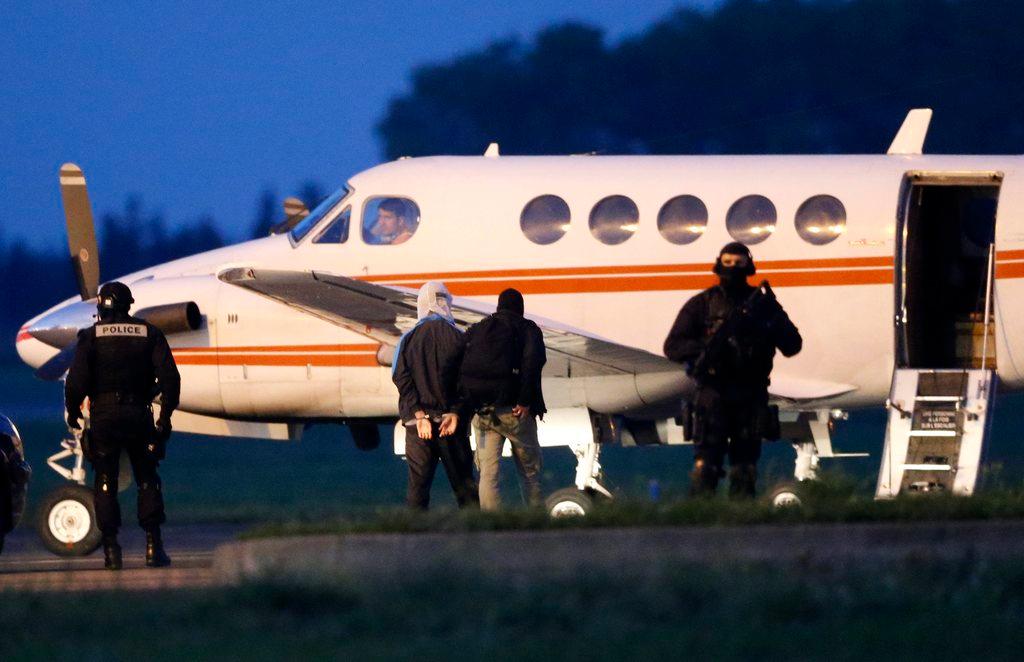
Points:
[(157, 446), (163, 430)]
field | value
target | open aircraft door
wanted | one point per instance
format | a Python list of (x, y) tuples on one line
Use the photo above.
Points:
[(944, 379)]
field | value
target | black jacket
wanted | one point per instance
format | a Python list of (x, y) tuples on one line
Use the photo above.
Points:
[(522, 388), (748, 361), (123, 355), (426, 369)]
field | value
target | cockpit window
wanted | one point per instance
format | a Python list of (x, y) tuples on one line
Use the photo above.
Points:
[(323, 209), (336, 231), (389, 221)]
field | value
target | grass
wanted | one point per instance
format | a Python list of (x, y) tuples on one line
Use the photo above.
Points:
[(833, 499), (963, 609)]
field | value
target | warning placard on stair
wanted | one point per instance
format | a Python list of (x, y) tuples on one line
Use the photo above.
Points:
[(935, 420)]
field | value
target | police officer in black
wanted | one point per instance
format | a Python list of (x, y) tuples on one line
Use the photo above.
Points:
[(121, 364), (727, 336)]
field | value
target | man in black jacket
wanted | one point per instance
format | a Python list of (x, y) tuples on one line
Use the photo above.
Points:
[(121, 363), (730, 412), (426, 372), (501, 375)]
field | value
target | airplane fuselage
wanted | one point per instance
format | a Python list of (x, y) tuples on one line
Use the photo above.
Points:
[(256, 359)]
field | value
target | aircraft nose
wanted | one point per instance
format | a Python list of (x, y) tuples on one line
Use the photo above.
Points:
[(60, 328)]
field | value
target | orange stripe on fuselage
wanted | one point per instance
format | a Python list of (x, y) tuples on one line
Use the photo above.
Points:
[(296, 360), (699, 268), (345, 355), (1010, 255), (353, 347), (648, 278)]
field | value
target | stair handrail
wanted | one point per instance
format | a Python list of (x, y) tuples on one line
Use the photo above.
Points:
[(988, 303)]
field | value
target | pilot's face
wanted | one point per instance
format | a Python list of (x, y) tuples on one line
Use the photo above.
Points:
[(387, 221), (732, 260)]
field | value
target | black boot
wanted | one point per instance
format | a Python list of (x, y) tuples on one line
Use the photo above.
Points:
[(111, 553), (703, 480), (742, 481), (156, 557)]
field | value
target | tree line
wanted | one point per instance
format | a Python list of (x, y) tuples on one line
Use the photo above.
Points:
[(754, 76)]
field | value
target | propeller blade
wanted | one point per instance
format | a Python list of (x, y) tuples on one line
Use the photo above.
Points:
[(85, 257), (55, 368), (294, 210)]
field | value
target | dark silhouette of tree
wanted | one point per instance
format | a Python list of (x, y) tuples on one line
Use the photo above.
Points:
[(268, 213), (752, 76), (311, 193)]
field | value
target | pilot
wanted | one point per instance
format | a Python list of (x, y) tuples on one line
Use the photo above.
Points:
[(392, 225), (727, 336), (121, 363)]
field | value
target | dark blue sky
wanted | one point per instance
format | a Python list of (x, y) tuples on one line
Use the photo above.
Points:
[(198, 106)]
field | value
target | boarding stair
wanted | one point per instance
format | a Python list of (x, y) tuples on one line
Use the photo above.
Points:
[(938, 424)]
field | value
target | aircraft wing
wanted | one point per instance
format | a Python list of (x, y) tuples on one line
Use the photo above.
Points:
[(385, 312)]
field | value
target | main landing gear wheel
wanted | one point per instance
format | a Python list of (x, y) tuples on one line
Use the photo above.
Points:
[(785, 496), (569, 502), (67, 521)]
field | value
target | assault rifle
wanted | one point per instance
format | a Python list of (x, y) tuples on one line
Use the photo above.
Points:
[(760, 306)]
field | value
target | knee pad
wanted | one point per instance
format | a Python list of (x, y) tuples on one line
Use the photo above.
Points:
[(106, 483)]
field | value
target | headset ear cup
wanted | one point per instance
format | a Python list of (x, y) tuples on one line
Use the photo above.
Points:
[(717, 269), (751, 267)]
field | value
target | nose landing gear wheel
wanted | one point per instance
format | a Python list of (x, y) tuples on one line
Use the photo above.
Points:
[(785, 496), (569, 502), (67, 522)]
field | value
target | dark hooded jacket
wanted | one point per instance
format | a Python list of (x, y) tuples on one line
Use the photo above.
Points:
[(525, 385)]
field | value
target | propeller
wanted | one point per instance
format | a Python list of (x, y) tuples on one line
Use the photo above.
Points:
[(85, 261), (294, 211), (60, 328), (85, 257)]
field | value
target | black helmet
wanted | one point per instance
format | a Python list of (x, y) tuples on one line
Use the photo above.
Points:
[(735, 248), (115, 296)]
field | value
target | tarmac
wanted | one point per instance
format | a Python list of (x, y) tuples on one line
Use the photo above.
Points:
[(26, 565)]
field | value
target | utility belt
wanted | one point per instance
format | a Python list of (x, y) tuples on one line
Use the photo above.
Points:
[(705, 415), (119, 398)]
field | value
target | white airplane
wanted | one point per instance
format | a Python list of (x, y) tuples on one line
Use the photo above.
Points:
[(882, 261)]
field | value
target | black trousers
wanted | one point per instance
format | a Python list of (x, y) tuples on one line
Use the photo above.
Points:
[(454, 453), (727, 425), (129, 428)]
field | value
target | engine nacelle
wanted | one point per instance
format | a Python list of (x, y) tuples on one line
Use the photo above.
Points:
[(173, 317)]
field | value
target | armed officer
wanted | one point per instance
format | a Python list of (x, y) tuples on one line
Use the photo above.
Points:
[(727, 336), (121, 364)]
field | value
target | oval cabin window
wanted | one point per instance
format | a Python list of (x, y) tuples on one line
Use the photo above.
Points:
[(821, 219), (545, 219), (751, 219), (683, 219), (614, 219)]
